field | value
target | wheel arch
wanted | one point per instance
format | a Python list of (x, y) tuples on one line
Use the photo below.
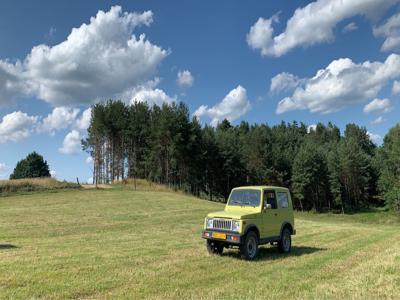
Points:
[(252, 227), (286, 225)]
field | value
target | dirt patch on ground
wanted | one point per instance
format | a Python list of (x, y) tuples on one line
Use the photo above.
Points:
[(99, 186)]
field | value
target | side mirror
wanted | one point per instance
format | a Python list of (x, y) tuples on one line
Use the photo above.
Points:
[(267, 206)]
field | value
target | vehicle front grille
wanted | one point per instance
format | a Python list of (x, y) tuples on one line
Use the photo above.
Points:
[(222, 224)]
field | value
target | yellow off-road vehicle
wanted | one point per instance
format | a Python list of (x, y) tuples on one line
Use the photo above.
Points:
[(253, 215)]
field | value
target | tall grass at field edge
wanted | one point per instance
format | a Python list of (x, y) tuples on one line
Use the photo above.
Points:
[(34, 184)]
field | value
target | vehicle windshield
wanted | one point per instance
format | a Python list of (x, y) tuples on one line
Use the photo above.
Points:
[(245, 198)]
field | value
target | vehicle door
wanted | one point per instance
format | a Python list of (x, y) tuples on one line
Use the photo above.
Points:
[(283, 210), (270, 214)]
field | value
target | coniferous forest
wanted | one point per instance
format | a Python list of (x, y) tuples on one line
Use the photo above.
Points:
[(325, 169)]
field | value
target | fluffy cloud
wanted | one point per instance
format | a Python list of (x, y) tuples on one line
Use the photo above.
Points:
[(82, 124), (53, 173), (379, 105), (71, 143), (12, 82), (376, 138), (89, 160), (97, 60), (284, 82), (396, 87), (185, 79), (350, 27), (310, 25), (378, 120), (16, 126), (151, 96), (232, 107), (390, 30), (341, 83), (60, 118)]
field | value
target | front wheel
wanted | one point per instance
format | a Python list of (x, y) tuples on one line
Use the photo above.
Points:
[(285, 243), (249, 249), (214, 247)]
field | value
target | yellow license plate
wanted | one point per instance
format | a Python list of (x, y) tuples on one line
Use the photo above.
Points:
[(219, 235)]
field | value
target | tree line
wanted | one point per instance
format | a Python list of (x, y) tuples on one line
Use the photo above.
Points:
[(324, 169)]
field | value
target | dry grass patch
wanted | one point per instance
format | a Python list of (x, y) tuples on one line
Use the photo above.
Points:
[(33, 184)]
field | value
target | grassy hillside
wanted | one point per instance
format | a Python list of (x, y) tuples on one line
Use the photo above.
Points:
[(120, 243)]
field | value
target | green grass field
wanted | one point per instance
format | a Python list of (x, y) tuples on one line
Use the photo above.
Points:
[(117, 243)]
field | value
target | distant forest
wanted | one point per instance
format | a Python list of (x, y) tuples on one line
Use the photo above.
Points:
[(324, 169)]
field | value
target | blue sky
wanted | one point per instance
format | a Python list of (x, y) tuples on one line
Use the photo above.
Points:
[(259, 61)]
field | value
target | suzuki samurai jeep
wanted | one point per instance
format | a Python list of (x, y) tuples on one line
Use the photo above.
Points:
[(253, 215)]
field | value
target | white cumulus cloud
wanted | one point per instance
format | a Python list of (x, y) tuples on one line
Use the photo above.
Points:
[(82, 123), (379, 105), (97, 60), (151, 96), (16, 126), (390, 31), (341, 83), (185, 79), (147, 92), (376, 138), (310, 25), (12, 82), (284, 82), (234, 105), (396, 87), (60, 118), (53, 173), (71, 143)]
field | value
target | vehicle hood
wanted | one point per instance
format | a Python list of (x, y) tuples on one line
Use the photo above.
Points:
[(231, 214)]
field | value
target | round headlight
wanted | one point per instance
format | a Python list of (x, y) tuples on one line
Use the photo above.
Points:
[(209, 223), (235, 225)]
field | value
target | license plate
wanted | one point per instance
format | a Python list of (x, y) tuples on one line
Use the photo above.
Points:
[(219, 235)]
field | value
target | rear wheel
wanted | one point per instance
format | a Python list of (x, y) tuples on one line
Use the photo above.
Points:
[(249, 249), (285, 243), (214, 247)]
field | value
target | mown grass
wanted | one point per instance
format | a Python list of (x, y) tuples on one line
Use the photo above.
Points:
[(27, 185), (119, 243)]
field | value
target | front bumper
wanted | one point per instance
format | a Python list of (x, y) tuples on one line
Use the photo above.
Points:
[(230, 237)]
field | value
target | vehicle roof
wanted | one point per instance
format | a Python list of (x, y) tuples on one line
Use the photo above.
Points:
[(259, 187)]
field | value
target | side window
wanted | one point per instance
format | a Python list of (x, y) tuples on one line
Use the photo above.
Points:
[(269, 198), (283, 200)]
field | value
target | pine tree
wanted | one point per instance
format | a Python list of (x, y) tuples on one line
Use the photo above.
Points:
[(389, 182)]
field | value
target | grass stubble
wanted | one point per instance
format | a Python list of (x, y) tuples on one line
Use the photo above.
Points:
[(120, 243)]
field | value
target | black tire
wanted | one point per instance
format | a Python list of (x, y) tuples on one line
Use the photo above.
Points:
[(285, 243), (214, 247), (249, 248)]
